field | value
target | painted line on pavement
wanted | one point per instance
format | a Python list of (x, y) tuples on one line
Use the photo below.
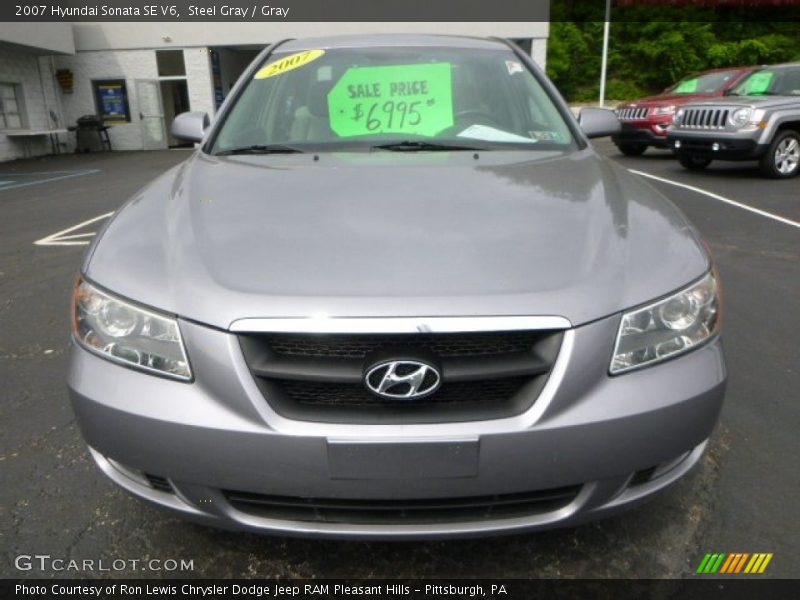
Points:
[(65, 237), (67, 175), (698, 190)]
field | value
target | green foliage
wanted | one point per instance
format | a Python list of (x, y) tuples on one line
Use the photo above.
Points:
[(650, 49), (571, 56)]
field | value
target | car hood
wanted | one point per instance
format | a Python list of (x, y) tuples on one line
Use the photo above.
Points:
[(218, 239), (666, 100), (754, 101)]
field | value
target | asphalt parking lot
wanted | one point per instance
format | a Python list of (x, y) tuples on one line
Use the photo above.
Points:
[(741, 499)]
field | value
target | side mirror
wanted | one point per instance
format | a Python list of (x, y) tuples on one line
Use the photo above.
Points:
[(598, 122), (190, 126)]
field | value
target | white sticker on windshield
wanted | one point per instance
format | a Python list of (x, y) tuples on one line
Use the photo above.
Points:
[(490, 134), (513, 67), (544, 136)]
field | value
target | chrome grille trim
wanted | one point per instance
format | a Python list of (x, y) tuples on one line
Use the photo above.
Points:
[(705, 118), (315, 377), (350, 431), (632, 114), (397, 324)]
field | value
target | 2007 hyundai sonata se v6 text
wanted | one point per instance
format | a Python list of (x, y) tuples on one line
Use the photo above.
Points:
[(396, 293)]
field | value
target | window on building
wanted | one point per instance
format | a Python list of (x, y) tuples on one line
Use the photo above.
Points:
[(525, 43), (10, 106), (170, 63)]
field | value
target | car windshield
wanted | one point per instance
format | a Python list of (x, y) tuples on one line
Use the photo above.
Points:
[(702, 84), (774, 81), (381, 98)]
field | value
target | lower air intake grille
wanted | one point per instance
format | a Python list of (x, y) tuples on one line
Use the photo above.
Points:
[(386, 512)]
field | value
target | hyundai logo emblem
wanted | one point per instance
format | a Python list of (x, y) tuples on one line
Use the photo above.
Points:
[(402, 379)]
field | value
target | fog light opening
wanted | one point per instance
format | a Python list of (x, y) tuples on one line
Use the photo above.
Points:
[(642, 477), (129, 472), (654, 472), (159, 483)]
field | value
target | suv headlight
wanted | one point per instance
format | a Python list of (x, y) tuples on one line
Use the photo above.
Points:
[(678, 118), (664, 110), (128, 334), (668, 327), (740, 117)]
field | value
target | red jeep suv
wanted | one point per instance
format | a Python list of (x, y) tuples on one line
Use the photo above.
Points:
[(645, 121)]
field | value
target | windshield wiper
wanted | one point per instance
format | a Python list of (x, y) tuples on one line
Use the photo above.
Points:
[(411, 146), (262, 149)]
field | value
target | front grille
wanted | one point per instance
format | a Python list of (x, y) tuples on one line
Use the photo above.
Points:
[(632, 114), (359, 345), (704, 118), (312, 393), (414, 511), (320, 377)]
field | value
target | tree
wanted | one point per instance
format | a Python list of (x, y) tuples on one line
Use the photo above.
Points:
[(651, 49)]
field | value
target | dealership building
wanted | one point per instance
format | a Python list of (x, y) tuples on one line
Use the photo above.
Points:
[(138, 76)]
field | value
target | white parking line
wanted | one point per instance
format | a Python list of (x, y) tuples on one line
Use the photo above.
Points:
[(65, 237), (57, 175), (751, 209)]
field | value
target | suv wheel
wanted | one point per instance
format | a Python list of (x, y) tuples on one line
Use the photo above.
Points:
[(632, 149), (693, 162), (783, 157)]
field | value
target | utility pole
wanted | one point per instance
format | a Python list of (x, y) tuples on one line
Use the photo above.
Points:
[(606, 28)]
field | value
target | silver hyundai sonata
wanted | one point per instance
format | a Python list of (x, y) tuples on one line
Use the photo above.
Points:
[(396, 293)]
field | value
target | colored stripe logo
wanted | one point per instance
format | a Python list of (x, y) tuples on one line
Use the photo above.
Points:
[(734, 563)]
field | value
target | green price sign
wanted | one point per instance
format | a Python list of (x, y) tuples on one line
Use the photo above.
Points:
[(689, 86), (758, 83), (413, 99)]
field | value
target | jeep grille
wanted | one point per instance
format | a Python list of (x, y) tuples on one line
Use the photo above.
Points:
[(631, 114), (705, 118)]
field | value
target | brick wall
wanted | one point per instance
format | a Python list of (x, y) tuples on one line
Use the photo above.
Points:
[(198, 72), (39, 97)]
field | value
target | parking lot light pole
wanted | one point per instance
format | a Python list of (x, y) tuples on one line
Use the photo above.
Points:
[(606, 28)]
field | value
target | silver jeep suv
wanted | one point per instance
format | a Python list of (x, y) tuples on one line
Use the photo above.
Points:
[(396, 293), (759, 120)]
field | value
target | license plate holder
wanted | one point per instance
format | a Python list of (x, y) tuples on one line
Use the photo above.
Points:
[(348, 459)]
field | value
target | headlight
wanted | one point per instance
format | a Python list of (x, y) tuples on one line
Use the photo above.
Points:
[(664, 110), (678, 118), (128, 334), (668, 327), (740, 117)]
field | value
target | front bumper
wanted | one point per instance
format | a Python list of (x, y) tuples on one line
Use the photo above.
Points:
[(614, 440), (729, 147), (643, 132)]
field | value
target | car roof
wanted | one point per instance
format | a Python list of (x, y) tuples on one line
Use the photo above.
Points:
[(723, 69), (782, 65), (390, 40)]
